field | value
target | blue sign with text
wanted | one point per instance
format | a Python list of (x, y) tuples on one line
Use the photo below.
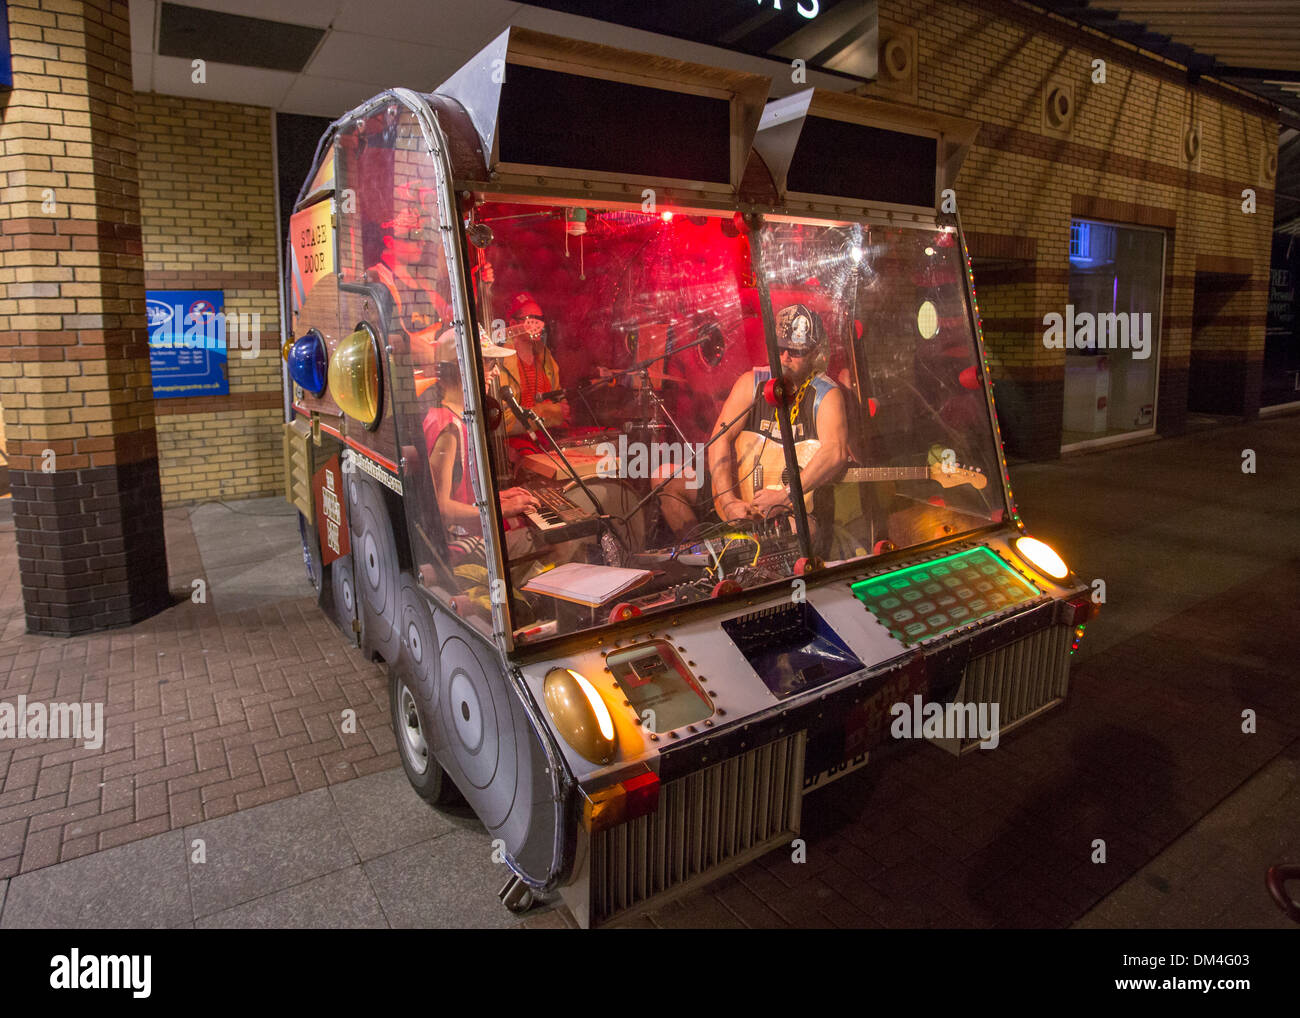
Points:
[(6, 60), (187, 342)]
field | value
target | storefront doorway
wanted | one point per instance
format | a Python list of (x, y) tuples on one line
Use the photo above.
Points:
[(1116, 288)]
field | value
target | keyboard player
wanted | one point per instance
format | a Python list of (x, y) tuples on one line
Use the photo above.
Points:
[(527, 518)]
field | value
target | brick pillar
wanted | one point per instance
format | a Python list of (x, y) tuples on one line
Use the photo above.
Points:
[(74, 360)]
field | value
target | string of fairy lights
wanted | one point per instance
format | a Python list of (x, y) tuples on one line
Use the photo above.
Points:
[(988, 377)]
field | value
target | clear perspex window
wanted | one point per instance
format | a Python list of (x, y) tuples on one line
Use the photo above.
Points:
[(639, 463)]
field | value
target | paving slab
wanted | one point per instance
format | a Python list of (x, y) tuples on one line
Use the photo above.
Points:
[(140, 885), (382, 814), (265, 849), (450, 882), (251, 551), (340, 900)]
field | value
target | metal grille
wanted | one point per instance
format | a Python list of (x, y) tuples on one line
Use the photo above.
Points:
[(297, 467), (1023, 678), (718, 817)]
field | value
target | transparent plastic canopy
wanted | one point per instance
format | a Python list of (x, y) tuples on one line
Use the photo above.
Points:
[(631, 441)]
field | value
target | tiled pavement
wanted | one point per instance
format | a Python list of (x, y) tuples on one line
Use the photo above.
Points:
[(1202, 566), (210, 707)]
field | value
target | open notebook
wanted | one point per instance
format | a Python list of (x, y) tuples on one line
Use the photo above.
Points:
[(586, 584)]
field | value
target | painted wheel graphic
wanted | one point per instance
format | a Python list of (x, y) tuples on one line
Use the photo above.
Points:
[(419, 649), (377, 569), (344, 593), (476, 718)]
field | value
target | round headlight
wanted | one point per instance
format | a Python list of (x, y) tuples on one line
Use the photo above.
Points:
[(580, 714), (308, 362), (1042, 557), (354, 376)]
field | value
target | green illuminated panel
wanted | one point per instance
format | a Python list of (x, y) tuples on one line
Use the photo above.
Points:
[(922, 601)]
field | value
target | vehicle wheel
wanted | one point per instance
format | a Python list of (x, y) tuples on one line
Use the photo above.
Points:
[(412, 729), (311, 555)]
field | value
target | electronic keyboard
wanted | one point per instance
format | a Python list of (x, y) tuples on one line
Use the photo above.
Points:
[(558, 519)]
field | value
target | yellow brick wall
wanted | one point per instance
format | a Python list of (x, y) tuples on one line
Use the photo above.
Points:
[(976, 60), (69, 326), (208, 212)]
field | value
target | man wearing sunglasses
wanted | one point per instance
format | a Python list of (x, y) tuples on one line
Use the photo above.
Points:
[(817, 412)]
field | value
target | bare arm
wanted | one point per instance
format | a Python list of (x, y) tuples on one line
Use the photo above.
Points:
[(442, 464), (722, 453), (833, 433)]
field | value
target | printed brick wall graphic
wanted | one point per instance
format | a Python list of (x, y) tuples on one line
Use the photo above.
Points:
[(207, 204), (74, 367)]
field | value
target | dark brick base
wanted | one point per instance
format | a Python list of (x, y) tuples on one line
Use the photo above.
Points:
[(1220, 382), (90, 547), (1171, 400)]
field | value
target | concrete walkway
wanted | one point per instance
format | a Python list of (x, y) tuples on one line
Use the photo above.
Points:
[(1202, 572)]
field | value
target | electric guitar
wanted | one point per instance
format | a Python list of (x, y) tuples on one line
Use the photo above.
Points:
[(762, 465)]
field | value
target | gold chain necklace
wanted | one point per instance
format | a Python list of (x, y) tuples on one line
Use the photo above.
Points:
[(798, 402)]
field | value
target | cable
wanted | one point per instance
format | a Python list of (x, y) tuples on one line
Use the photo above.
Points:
[(188, 511)]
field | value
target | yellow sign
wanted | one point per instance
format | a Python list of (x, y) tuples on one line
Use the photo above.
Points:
[(311, 236)]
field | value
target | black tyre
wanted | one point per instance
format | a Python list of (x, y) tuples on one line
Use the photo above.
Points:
[(410, 715), (311, 555)]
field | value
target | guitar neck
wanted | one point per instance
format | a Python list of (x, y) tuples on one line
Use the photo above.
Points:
[(855, 475)]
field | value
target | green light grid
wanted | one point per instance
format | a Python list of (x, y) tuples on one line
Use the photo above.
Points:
[(900, 580)]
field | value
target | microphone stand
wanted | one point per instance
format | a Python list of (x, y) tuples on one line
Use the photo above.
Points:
[(677, 473), (527, 416)]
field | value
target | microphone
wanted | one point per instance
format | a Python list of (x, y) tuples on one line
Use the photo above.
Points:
[(525, 417)]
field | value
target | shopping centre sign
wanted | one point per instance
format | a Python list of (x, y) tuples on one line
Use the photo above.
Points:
[(826, 34)]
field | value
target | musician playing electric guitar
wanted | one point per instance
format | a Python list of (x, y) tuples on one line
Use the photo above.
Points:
[(817, 412)]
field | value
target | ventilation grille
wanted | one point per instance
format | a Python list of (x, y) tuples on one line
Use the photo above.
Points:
[(723, 815), (297, 467), (1024, 678)]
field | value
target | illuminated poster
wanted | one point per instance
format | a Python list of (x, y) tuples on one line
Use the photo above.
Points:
[(187, 342)]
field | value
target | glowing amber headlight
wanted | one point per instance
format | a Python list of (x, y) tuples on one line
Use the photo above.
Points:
[(580, 714), (1042, 557), (354, 376)]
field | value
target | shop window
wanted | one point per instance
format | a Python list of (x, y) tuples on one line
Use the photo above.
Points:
[(1109, 331)]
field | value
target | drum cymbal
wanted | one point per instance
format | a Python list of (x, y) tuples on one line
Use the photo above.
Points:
[(491, 349)]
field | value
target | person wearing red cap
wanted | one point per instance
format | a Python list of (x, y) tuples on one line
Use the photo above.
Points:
[(534, 371)]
